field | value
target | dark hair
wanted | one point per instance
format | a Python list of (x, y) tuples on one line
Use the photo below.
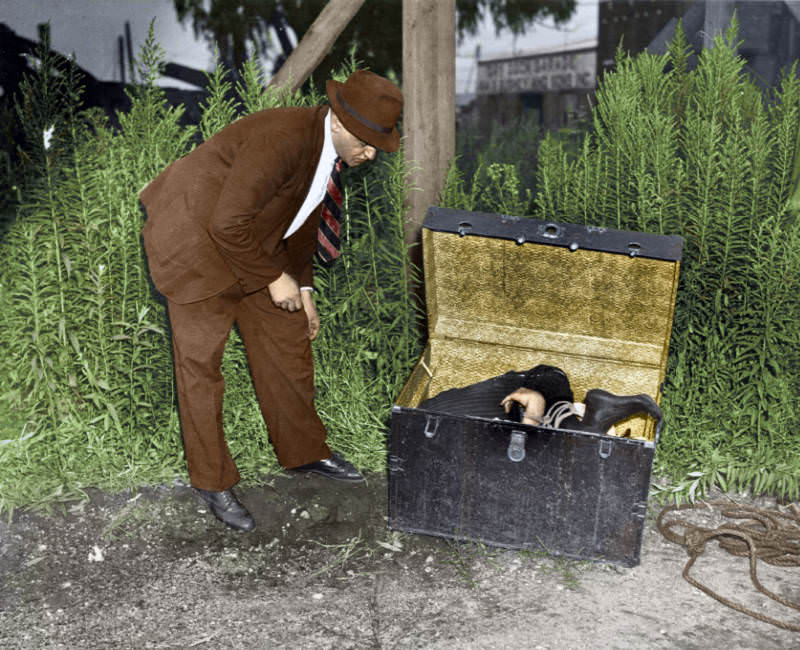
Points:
[(551, 382)]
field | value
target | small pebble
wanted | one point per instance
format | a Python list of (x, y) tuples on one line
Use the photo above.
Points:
[(96, 555)]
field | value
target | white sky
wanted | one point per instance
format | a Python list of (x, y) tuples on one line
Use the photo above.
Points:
[(90, 29)]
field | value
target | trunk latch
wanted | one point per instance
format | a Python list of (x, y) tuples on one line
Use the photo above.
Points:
[(516, 448), (431, 425)]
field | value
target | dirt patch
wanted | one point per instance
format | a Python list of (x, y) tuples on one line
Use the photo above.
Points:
[(153, 569)]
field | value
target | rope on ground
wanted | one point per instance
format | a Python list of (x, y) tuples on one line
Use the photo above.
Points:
[(769, 535)]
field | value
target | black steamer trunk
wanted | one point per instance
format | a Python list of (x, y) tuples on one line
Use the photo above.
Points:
[(506, 293)]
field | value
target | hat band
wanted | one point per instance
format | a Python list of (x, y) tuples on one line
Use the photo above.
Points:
[(364, 120)]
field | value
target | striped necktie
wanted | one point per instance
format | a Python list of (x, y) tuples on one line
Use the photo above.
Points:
[(328, 243)]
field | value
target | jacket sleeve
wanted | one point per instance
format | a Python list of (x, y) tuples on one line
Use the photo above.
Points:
[(307, 274), (301, 248), (304, 271), (258, 171)]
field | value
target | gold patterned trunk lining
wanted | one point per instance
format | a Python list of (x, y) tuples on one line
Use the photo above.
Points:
[(494, 306)]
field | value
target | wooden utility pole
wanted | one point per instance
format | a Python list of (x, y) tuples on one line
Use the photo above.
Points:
[(316, 43), (429, 87)]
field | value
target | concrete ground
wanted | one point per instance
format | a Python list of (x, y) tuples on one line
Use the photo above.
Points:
[(153, 569)]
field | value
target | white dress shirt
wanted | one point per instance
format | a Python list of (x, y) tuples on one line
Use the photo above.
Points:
[(319, 184)]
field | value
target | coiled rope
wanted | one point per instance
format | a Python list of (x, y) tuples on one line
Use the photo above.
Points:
[(769, 535)]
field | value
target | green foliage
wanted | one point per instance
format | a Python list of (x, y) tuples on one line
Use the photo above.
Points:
[(480, 150), (493, 188), (220, 108), (700, 153), (254, 96), (86, 386), (82, 383)]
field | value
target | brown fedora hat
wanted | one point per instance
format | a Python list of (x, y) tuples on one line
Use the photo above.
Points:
[(368, 105)]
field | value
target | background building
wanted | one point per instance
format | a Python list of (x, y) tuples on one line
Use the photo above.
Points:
[(769, 30), (555, 86), (556, 83)]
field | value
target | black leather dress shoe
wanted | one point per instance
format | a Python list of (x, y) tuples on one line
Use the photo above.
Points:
[(227, 508), (334, 467), (604, 409)]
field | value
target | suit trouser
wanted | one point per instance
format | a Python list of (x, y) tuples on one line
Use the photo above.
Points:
[(282, 369)]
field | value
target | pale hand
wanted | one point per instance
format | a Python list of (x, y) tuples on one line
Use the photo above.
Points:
[(311, 313), (285, 293), (531, 400)]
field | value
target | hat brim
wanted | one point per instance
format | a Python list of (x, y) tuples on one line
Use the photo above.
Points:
[(389, 142)]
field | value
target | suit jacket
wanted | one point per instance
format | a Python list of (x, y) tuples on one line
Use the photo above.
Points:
[(218, 215)]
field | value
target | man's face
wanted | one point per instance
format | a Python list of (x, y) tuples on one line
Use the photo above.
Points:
[(351, 149)]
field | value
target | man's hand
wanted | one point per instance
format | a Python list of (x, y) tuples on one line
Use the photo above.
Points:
[(311, 313), (531, 400), (285, 293)]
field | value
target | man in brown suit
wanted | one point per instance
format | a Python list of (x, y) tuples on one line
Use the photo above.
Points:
[(230, 235)]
